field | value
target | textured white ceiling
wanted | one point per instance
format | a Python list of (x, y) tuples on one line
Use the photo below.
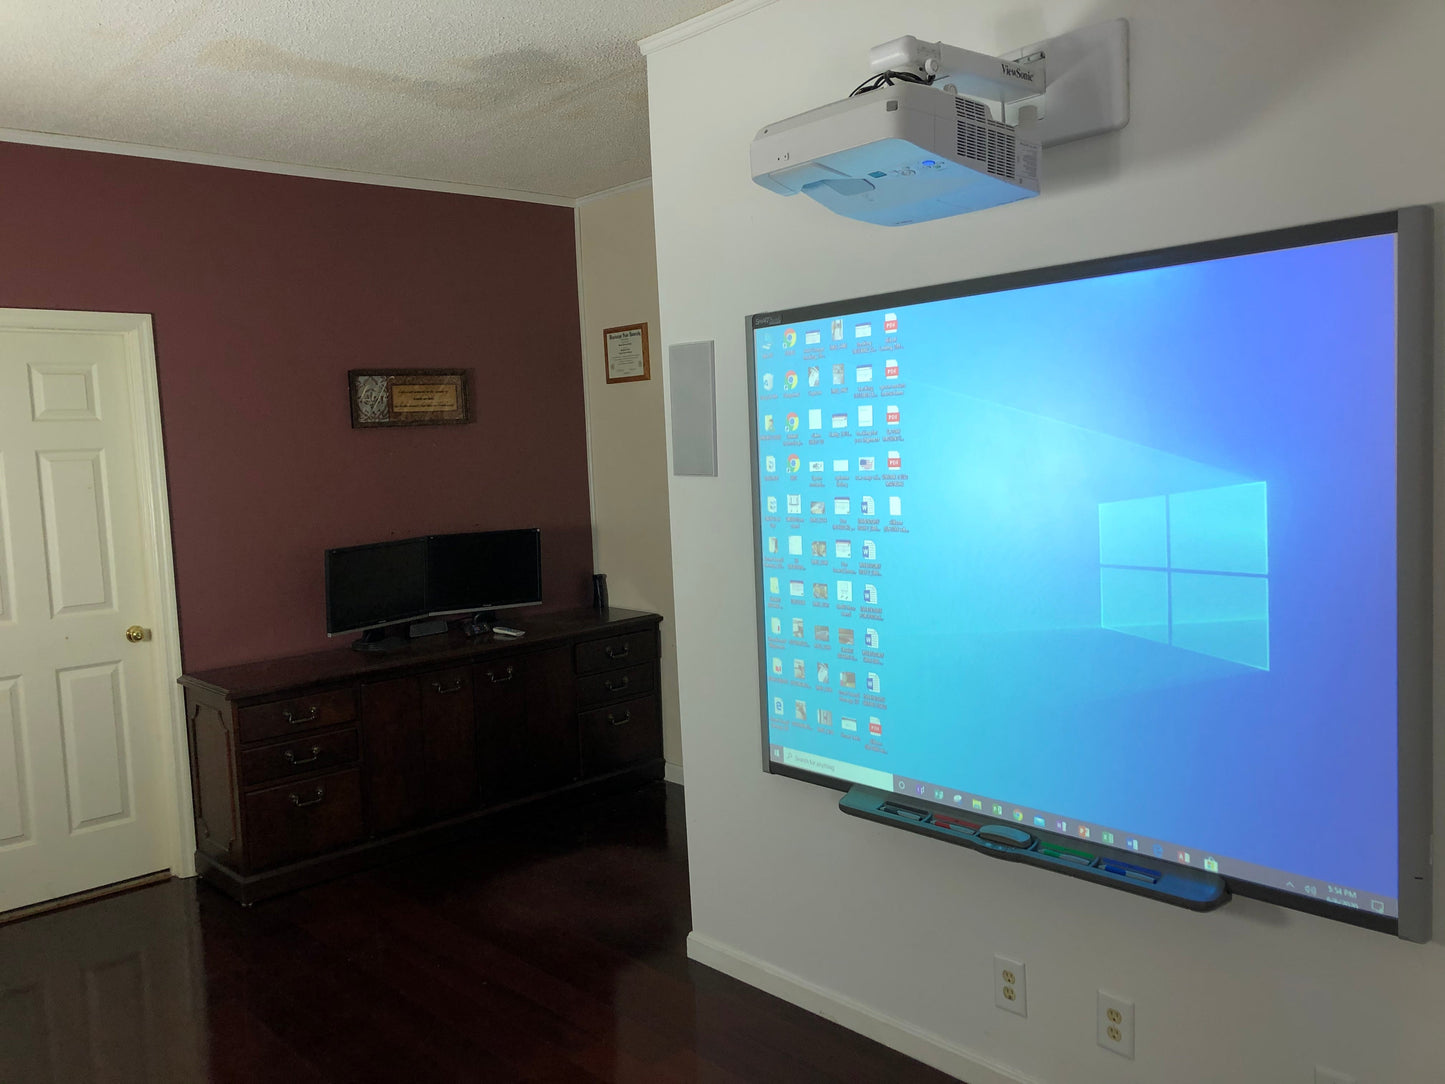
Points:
[(543, 96)]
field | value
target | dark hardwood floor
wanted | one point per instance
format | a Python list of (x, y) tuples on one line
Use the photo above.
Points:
[(552, 950)]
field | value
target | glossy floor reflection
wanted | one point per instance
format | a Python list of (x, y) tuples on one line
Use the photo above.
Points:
[(553, 951)]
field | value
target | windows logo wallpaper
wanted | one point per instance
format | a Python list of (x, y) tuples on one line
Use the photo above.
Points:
[(1147, 570)]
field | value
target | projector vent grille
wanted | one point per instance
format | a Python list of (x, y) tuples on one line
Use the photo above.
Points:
[(985, 140), (970, 109), (1002, 153)]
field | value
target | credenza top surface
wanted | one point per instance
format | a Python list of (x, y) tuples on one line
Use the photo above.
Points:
[(271, 678)]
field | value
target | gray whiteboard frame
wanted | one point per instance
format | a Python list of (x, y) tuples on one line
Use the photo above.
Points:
[(1414, 504), (1414, 383)]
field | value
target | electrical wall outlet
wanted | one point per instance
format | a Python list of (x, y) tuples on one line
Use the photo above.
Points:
[(1331, 1076), (1116, 1024), (1009, 988)]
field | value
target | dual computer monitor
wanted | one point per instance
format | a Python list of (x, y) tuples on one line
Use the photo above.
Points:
[(386, 583)]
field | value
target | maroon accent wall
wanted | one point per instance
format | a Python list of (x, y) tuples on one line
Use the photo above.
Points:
[(265, 290)]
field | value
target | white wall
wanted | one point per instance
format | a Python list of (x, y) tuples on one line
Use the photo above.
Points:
[(617, 264), (1247, 115)]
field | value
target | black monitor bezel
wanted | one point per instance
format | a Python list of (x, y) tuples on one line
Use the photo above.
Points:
[(535, 599), (426, 609), (1414, 230), (331, 556)]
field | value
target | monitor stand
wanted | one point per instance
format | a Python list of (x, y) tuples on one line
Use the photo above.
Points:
[(381, 641), (396, 637), (480, 623)]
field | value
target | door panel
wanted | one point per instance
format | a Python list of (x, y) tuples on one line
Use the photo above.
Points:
[(7, 570), (392, 739), (450, 720), (63, 393), (527, 720), (14, 797), (77, 530), (83, 721), (501, 699), (551, 738), (92, 720)]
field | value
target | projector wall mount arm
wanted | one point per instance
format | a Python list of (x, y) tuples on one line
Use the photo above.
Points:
[(975, 75), (1060, 89)]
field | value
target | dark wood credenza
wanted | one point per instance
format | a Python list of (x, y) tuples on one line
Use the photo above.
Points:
[(312, 766)]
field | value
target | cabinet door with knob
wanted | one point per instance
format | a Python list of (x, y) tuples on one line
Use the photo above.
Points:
[(449, 742), (393, 766), (526, 723), (421, 748)]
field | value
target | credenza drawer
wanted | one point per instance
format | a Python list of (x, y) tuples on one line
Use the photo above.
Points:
[(616, 652), (620, 735), (614, 685), (299, 819), (316, 753), (279, 718)]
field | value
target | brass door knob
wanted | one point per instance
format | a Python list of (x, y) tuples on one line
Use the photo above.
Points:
[(135, 634)]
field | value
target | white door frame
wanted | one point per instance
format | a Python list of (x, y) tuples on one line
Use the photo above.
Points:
[(145, 407)]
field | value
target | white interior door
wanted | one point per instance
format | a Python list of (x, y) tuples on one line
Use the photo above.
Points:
[(86, 798)]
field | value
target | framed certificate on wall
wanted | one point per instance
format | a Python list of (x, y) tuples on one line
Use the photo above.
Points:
[(626, 353)]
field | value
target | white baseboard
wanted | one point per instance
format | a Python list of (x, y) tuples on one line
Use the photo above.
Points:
[(925, 1046), (672, 772)]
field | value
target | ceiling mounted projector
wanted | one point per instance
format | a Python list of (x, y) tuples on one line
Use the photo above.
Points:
[(939, 130)]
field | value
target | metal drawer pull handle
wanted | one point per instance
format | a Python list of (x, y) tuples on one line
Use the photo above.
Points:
[(498, 680), (297, 720), (613, 686), (444, 689), (618, 720), (619, 654), (301, 803), (315, 756)]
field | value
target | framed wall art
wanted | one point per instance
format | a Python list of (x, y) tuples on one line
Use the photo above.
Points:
[(383, 398), (626, 351)]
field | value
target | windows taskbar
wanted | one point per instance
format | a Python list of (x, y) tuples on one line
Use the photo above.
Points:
[(1039, 820), (1308, 887)]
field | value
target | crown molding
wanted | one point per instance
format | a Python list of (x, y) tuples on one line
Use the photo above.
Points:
[(615, 190), (288, 169), (700, 24)]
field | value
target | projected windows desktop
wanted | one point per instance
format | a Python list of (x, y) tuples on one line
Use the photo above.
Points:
[(1189, 569), (1112, 556)]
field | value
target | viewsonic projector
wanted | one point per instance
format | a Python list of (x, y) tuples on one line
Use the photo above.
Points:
[(906, 153), (917, 141)]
